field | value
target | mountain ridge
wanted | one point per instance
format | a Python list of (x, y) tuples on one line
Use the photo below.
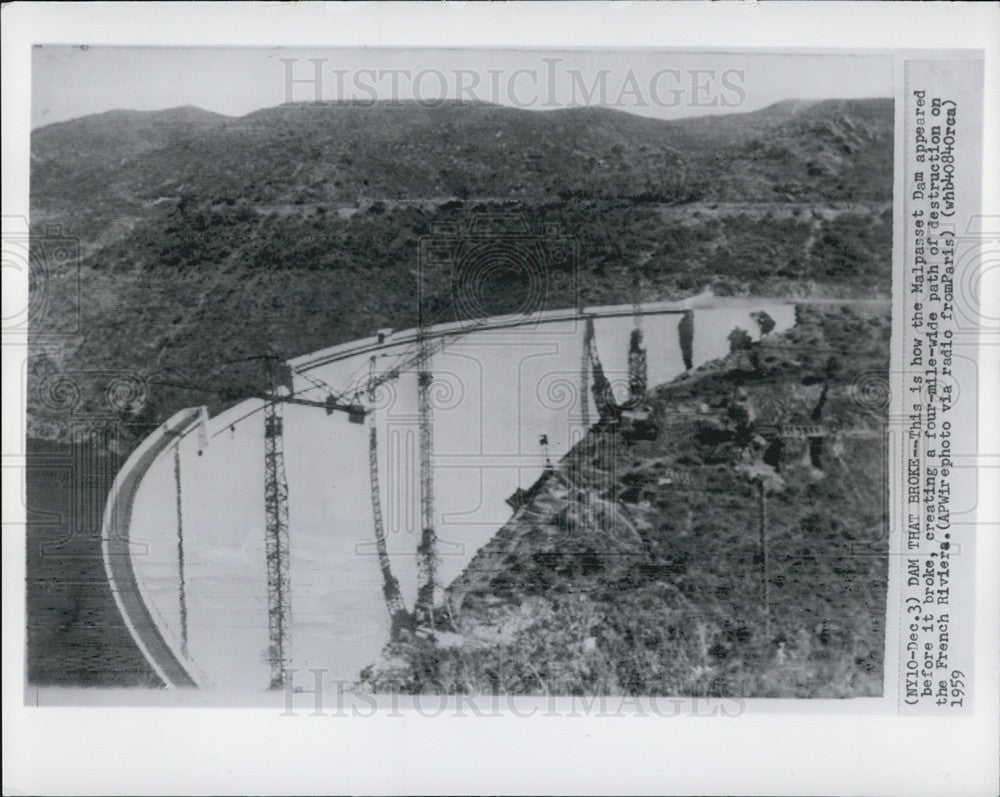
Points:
[(121, 163), (781, 109)]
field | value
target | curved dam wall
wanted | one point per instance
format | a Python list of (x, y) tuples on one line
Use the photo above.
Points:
[(121, 553), (498, 388)]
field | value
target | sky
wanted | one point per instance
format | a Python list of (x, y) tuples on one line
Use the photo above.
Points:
[(69, 82)]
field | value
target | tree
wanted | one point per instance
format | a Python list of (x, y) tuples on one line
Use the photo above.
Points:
[(764, 322)]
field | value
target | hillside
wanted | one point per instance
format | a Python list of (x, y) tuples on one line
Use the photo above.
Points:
[(209, 241), (639, 566), (132, 163)]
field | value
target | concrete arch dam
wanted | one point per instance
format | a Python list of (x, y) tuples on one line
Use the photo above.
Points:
[(184, 528)]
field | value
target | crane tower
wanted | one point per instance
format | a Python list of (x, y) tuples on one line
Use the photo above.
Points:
[(390, 586), (427, 592), (276, 545)]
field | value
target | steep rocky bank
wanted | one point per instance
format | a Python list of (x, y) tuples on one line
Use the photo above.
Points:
[(741, 552)]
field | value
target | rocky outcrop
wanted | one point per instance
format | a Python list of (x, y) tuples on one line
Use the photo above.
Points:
[(708, 560)]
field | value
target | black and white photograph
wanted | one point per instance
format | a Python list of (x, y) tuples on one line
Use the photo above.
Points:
[(577, 389), (426, 381)]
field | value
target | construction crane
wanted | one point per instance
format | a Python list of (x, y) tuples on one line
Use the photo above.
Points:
[(637, 372), (588, 338), (427, 589), (276, 495), (421, 352), (390, 586), (604, 397), (276, 491), (277, 548), (277, 545), (631, 417)]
